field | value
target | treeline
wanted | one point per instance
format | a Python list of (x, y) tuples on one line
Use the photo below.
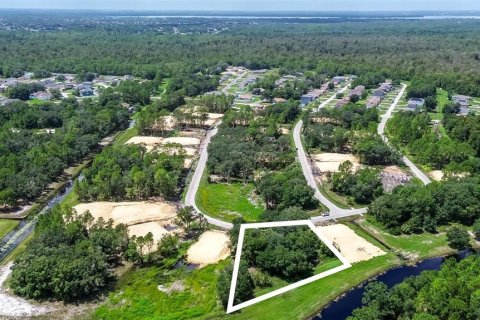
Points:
[(454, 151), (129, 172), (349, 129), (32, 157), (245, 144), (288, 253), (414, 208), (73, 257), (451, 293), (441, 52), (362, 185)]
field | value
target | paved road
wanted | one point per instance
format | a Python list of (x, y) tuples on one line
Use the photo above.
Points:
[(335, 211), (195, 183), (231, 84), (381, 131)]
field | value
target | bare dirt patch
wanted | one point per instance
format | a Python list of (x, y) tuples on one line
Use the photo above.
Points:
[(212, 247), (156, 228), (184, 141), (436, 175), (149, 142), (129, 213), (330, 162), (353, 247)]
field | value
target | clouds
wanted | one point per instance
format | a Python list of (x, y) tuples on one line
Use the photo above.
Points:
[(249, 5)]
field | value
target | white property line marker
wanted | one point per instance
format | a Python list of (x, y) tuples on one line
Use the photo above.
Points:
[(345, 264)]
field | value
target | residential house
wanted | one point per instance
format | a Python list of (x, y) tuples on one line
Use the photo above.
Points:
[(42, 95), (279, 100), (415, 103), (374, 102), (461, 100)]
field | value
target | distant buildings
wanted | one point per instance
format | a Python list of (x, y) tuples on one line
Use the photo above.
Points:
[(310, 96), (42, 95), (379, 94), (415, 103)]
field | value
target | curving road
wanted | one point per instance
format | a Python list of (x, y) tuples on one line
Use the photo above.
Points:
[(335, 211), (195, 183), (381, 131)]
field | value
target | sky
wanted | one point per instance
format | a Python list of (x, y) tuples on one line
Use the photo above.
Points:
[(249, 5)]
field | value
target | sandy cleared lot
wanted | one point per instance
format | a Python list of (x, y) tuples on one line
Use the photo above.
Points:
[(353, 247), (211, 248), (129, 213), (184, 141), (436, 175), (156, 228), (167, 123), (330, 162), (193, 133), (149, 142)]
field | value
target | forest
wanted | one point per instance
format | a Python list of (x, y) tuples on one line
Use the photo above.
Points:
[(129, 172), (439, 52), (413, 208), (33, 155), (451, 293)]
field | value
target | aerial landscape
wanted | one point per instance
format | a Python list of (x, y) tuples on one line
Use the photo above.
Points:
[(240, 159)]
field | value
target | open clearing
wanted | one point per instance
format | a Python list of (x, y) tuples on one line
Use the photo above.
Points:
[(156, 228), (436, 175), (228, 201), (330, 162), (353, 247), (149, 142), (212, 247), (129, 213), (184, 141)]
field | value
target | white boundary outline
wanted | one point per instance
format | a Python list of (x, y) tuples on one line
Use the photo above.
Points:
[(345, 264)]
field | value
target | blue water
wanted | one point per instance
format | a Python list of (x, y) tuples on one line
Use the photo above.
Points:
[(344, 306)]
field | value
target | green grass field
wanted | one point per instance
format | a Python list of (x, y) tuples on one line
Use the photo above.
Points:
[(229, 201), (339, 200), (415, 246), (306, 301), (138, 297), (6, 226)]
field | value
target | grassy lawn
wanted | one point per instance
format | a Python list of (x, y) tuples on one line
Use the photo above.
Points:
[(228, 201), (306, 301), (138, 297), (442, 99), (123, 137), (415, 246), (7, 225)]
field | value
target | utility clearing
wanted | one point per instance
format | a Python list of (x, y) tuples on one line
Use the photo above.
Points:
[(211, 247), (353, 247), (330, 162)]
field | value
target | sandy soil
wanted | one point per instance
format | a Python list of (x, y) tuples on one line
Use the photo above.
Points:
[(193, 133), (330, 162), (436, 175), (168, 123), (393, 170), (12, 306), (149, 142), (187, 164), (129, 213), (284, 131), (353, 247), (184, 141), (211, 248), (156, 228)]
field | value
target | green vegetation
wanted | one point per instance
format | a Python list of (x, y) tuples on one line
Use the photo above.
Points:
[(6, 226), (451, 293), (138, 296), (31, 161), (129, 172), (412, 246), (307, 300), (228, 201)]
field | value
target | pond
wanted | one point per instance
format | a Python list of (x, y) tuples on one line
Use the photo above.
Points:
[(344, 306)]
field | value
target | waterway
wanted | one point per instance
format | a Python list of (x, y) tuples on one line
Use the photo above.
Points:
[(344, 306)]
